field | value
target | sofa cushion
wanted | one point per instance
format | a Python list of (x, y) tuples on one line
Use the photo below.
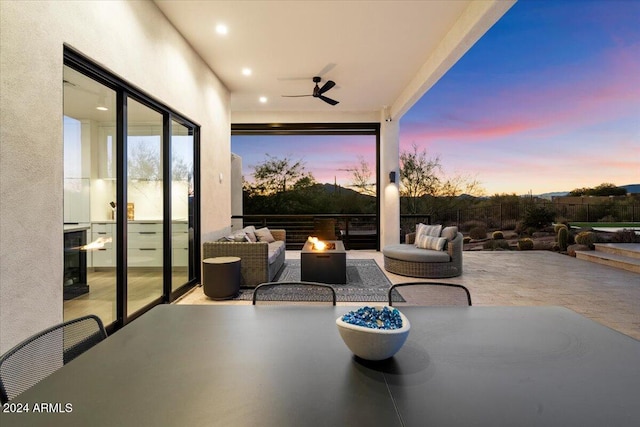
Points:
[(408, 252), (264, 235), (275, 249), (430, 242), (250, 231)]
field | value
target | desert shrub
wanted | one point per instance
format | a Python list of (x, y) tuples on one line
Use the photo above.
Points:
[(563, 238), (625, 236), (525, 244), (493, 245), (523, 230), (497, 235), (466, 239), (478, 233), (537, 216), (467, 226), (587, 238)]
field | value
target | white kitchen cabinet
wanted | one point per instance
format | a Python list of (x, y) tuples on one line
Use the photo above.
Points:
[(105, 256), (145, 244), (180, 244)]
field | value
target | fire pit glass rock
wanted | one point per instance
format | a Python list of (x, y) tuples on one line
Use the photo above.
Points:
[(374, 333)]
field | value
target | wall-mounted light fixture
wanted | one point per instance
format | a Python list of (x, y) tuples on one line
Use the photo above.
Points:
[(392, 177), (387, 113)]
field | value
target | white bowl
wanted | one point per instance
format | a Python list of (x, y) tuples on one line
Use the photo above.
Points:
[(373, 344)]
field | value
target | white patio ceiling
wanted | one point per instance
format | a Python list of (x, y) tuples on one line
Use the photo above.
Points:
[(379, 53)]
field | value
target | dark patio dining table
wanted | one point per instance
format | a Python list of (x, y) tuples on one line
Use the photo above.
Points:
[(233, 365)]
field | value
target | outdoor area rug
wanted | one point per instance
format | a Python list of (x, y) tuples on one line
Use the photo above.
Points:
[(365, 282)]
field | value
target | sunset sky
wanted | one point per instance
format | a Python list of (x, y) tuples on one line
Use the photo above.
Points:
[(547, 100)]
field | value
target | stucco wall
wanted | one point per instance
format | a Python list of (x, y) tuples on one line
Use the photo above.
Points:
[(133, 40)]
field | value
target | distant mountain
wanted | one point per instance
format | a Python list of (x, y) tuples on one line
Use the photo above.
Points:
[(332, 188), (632, 188)]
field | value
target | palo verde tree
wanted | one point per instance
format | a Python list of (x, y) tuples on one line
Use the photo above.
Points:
[(276, 175), (418, 176), (361, 178), (422, 177)]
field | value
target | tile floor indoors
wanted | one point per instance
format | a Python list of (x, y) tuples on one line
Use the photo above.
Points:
[(605, 294)]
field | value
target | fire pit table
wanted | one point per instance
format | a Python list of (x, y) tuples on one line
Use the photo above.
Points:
[(328, 265)]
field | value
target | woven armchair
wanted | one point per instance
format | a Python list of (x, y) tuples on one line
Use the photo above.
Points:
[(426, 269), (260, 261)]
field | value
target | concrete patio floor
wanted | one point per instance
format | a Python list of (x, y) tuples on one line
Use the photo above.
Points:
[(605, 294)]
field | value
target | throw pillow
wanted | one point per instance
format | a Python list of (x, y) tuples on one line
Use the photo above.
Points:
[(250, 231), (449, 233), (264, 235), (430, 242), (237, 236), (427, 230)]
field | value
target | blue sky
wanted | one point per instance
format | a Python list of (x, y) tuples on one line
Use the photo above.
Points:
[(547, 100)]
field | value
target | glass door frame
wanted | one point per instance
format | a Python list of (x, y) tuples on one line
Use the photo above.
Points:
[(326, 129), (124, 92)]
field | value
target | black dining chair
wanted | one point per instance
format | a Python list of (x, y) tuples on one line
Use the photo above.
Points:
[(293, 292), (42, 354), (429, 294)]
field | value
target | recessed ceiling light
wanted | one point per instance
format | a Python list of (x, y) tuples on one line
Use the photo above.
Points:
[(102, 108), (246, 71), (263, 99), (222, 29)]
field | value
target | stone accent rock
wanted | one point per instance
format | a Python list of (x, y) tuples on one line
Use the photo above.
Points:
[(571, 250)]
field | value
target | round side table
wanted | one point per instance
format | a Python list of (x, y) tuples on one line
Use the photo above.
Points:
[(221, 277)]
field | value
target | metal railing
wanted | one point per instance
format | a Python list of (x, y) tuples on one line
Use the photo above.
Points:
[(357, 231)]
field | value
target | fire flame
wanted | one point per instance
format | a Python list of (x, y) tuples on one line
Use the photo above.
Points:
[(96, 244), (318, 245)]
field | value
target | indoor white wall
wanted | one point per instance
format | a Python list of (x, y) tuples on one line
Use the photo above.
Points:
[(133, 40)]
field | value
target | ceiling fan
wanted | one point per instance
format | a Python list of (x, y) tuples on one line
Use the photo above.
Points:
[(319, 91)]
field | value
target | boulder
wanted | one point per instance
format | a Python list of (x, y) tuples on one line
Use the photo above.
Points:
[(571, 250)]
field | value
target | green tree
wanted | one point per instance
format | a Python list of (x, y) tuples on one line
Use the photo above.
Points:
[(604, 189), (143, 160), (361, 177), (276, 175), (418, 176), (426, 189)]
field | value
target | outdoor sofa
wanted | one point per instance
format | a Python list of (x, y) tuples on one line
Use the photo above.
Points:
[(407, 259), (260, 260)]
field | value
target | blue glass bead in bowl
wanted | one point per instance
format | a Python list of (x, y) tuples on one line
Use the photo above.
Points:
[(374, 333)]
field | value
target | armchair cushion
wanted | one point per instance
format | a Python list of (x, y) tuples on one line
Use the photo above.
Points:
[(449, 233)]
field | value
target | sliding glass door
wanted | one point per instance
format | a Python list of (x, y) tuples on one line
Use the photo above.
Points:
[(182, 214), (130, 199), (89, 197), (145, 202)]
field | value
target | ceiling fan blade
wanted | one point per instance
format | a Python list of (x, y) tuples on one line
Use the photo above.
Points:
[(330, 66), (326, 69), (328, 85), (328, 100), (294, 96)]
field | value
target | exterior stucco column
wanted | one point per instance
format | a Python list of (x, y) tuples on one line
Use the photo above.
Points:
[(389, 192)]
